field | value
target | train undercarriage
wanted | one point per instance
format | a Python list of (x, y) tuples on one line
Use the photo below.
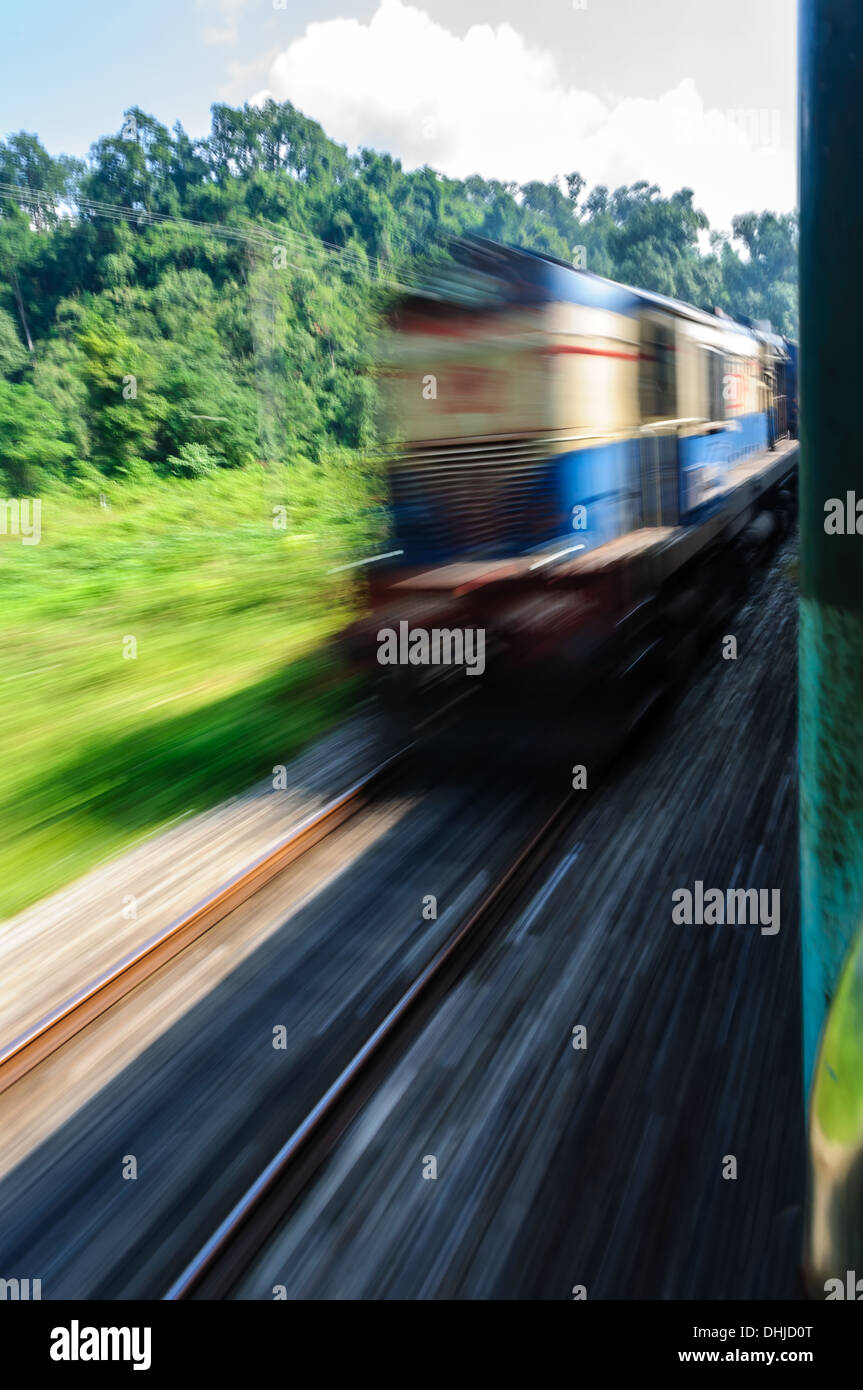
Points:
[(589, 646)]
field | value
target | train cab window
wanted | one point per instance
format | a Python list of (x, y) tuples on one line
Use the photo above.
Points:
[(657, 374), (715, 379)]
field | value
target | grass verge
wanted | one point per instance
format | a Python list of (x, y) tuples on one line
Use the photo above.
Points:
[(161, 653)]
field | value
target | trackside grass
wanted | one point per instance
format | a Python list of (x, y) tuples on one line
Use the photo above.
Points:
[(161, 652)]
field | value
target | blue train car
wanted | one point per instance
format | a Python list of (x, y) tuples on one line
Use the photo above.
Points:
[(569, 450)]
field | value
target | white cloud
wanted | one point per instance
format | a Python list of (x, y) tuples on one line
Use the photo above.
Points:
[(490, 103)]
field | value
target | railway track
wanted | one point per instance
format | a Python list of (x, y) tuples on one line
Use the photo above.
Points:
[(221, 1259), (327, 948), (595, 1167), (81, 1009), (218, 1265)]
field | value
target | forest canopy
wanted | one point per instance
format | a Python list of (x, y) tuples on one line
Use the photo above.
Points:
[(185, 305)]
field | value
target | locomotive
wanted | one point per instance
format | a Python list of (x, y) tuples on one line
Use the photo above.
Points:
[(581, 472)]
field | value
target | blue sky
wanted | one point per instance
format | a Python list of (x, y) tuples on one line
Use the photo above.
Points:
[(69, 68), (68, 71), (680, 92)]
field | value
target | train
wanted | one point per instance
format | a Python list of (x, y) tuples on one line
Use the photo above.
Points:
[(579, 472)]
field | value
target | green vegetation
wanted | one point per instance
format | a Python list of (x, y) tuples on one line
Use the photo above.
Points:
[(185, 340), (231, 611), (837, 1100), (244, 329)]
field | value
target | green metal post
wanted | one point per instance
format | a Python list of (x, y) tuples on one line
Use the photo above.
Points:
[(831, 467)]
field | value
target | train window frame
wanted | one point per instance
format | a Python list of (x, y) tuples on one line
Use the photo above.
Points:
[(717, 370), (657, 378), (739, 369)]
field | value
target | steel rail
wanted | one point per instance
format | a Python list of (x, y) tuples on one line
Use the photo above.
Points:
[(77, 1012), (340, 1098)]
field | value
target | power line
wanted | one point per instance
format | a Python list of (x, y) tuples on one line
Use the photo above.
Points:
[(259, 236)]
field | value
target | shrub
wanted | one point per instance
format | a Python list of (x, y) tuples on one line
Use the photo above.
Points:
[(193, 461)]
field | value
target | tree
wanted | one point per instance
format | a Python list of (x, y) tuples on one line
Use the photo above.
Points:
[(146, 336), (32, 437), (13, 355), (125, 407), (763, 281), (40, 181)]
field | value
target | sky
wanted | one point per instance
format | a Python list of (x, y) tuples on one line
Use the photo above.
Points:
[(683, 93)]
